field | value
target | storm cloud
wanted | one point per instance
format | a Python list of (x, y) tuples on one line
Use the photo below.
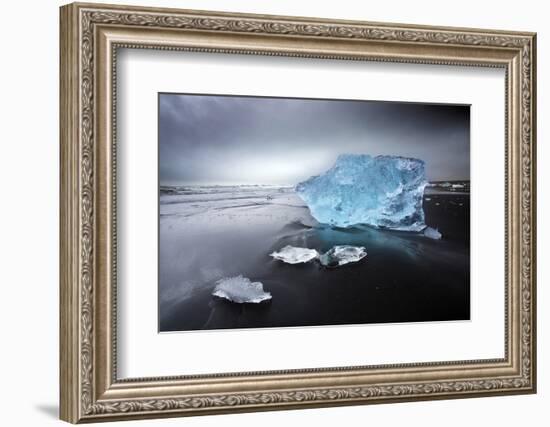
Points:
[(209, 139)]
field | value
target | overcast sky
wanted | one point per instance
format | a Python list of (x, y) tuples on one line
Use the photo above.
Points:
[(253, 140)]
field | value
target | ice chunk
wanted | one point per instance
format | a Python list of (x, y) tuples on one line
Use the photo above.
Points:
[(241, 290), (432, 233), (293, 255), (341, 255), (381, 191)]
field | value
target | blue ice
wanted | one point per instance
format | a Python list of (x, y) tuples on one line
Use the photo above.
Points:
[(381, 191)]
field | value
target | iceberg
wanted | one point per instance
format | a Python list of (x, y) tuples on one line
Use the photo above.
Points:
[(341, 255), (293, 255), (381, 191), (240, 289)]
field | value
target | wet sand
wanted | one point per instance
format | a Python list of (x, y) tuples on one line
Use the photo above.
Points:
[(210, 233)]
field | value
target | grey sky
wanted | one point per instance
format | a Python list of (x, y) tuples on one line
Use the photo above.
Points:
[(206, 139)]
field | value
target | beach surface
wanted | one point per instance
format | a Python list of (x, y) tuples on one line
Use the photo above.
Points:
[(209, 233)]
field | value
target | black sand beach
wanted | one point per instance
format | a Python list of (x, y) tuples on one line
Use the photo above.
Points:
[(210, 233)]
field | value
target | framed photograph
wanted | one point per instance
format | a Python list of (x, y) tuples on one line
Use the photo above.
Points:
[(266, 212)]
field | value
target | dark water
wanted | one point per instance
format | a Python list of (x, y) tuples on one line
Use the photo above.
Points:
[(405, 277)]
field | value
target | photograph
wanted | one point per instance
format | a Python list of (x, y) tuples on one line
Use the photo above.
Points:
[(300, 212)]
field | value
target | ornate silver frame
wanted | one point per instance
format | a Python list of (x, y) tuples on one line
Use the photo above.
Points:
[(90, 36)]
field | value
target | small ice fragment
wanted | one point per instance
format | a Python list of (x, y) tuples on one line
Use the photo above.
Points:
[(340, 255), (293, 255), (428, 199), (432, 233), (241, 290)]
